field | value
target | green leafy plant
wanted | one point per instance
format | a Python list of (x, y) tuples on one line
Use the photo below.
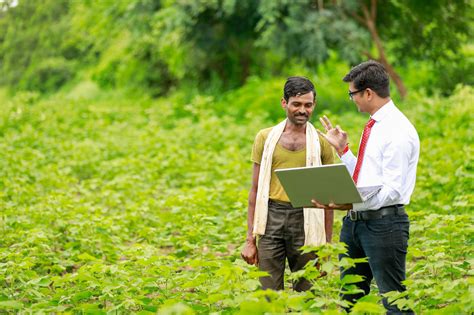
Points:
[(138, 206)]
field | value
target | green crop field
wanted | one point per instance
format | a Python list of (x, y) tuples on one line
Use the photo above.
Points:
[(121, 205)]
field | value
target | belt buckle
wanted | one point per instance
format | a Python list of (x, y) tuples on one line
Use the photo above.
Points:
[(353, 215)]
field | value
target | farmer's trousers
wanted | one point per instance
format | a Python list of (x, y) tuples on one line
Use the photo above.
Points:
[(284, 235)]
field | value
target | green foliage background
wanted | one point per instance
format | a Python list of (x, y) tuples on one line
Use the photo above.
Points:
[(126, 130), (156, 46)]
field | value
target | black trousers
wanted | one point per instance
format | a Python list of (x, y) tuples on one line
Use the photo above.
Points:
[(384, 241), (284, 235)]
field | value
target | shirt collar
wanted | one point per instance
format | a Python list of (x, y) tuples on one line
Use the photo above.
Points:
[(383, 111)]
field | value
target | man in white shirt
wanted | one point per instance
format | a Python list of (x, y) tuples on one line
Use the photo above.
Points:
[(377, 228)]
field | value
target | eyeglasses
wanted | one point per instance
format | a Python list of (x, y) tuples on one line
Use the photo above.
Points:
[(355, 92)]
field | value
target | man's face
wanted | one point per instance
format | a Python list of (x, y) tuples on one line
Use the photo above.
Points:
[(359, 98), (299, 108)]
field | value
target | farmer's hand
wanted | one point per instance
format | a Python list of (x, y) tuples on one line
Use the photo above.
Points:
[(250, 252)]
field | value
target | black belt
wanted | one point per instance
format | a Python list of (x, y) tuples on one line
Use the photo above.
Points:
[(376, 214)]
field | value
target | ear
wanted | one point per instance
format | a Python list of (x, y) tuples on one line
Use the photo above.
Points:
[(370, 94), (283, 103)]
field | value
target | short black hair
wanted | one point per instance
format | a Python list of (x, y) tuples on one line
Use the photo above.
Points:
[(370, 74), (296, 86)]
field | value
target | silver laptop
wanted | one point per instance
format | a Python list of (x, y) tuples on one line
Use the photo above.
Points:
[(326, 184)]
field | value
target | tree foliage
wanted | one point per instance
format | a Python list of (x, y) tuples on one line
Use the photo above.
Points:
[(398, 30), (31, 45), (153, 46)]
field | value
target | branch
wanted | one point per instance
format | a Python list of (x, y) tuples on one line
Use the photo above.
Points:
[(373, 9), (320, 5), (358, 18), (365, 11)]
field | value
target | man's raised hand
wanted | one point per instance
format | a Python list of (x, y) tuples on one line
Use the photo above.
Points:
[(334, 135)]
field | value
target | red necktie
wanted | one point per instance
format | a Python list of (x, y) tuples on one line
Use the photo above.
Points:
[(363, 144)]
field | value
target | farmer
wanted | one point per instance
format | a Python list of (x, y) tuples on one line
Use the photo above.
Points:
[(276, 230)]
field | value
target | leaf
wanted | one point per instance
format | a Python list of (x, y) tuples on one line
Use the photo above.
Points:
[(318, 304), (86, 257), (11, 304), (170, 308), (328, 267), (255, 307), (42, 282), (215, 297), (352, 279), (367, 307), (296, 302), (84, 295)]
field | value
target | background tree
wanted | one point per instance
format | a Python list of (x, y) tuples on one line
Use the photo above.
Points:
[(392, 32), (155, 46), (31, 52), (404, 30)]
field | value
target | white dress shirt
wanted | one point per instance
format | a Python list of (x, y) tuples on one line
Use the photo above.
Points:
[(390, 159)]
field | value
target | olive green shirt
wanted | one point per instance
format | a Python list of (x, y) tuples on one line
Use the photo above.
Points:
[(284, 158)]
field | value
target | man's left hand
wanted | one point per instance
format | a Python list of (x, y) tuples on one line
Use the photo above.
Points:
[(332, 206)]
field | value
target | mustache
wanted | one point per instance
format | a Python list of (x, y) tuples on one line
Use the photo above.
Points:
[(305, 115)]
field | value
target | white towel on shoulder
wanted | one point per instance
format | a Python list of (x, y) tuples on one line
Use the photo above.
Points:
[(313, 217)]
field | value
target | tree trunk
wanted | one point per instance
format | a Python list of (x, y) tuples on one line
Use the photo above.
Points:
[(369, 20)]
